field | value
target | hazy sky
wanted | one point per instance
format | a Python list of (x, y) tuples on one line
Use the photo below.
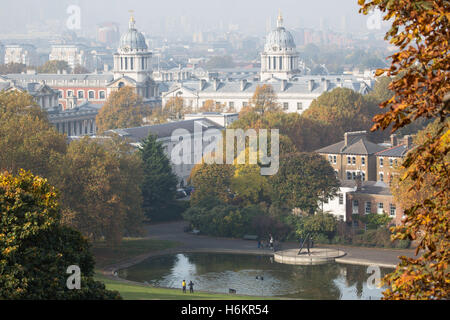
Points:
[(153, 16)]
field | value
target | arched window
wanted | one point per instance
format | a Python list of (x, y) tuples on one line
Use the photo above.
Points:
[(121, 85), (132, 63), (91, 94)]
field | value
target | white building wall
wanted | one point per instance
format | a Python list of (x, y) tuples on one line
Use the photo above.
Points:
[(334, 207)]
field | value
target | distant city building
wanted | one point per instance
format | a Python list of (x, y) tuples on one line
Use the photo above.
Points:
[(108, 33), (2, 53), (21, 53), (73, 54)]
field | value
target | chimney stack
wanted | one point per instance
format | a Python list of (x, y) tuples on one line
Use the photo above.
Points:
[(310, 85), (326, 85), (216, 83), (348, 135), (407, 140), (283, 85), (201, 84), (394, 141), (243, 84)]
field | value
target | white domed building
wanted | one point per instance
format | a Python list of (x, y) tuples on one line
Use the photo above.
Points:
[(280, 58), (133, 64)]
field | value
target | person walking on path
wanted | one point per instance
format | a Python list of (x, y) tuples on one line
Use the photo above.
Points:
[(191, 287), (271, 242), (183, 284)]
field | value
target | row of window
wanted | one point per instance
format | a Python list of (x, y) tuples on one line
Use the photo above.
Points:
[(352, 160), (332, 159), (351, 175), (392, 161), (81, 94), (245, 104), (368, 208)]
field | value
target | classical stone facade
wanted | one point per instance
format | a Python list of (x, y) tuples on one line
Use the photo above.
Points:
[(78, 121)]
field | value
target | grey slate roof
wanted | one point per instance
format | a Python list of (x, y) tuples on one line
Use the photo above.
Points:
[(164, 130), (299, 86), (399, 151), (357, 145), (374, 187)]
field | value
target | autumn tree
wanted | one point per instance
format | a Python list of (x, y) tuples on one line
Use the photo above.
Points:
[(303, 181), (123, 109), (27, 139), (421, 90), (36, 250), (159, 183), (175, 108), (249, 186), (100, 190), (305, 134), (342, 110), (211, 182), (54, 66), (264, 99), (212, 106)]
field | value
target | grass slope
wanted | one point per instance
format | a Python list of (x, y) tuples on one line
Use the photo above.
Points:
[(142, 292)]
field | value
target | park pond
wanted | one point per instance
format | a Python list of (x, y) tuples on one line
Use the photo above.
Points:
[(257, 275)]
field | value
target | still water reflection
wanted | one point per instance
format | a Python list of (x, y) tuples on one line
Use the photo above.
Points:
[(220, 272)]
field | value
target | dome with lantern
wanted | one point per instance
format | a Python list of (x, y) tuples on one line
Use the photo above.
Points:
[(132, 40), (279, 40)]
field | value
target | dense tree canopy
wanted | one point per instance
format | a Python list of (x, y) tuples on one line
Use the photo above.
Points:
[(342, 110), (100, 189), (54, 66), (304, 179), (35, 249), (27, 139), (123, 109), (12, 67)]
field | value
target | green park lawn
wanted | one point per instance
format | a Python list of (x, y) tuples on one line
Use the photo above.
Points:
[(143, 292)]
